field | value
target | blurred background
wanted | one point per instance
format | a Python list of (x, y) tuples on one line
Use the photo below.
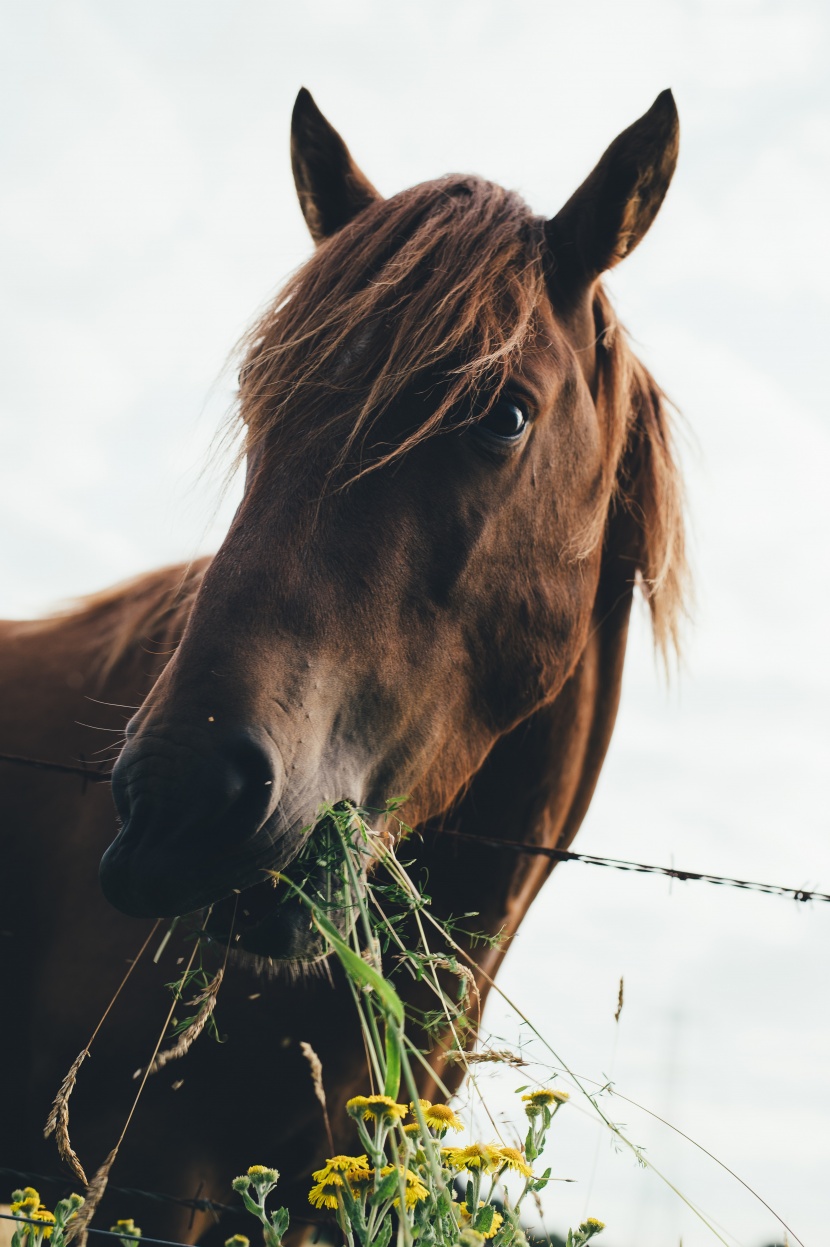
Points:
[(147, 211)]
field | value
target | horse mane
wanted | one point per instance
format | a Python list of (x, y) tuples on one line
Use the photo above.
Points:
[(648, 486), (153, 607), (451, 270)]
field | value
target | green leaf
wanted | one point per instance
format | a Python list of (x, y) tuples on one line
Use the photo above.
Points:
[(484, 1219), (471, 1207), (388, 1189), (279, 1221), (392, 1085), (542, 1181), (384, 1234)]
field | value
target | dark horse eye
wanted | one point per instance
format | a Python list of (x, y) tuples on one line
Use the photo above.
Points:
[(506, 421)]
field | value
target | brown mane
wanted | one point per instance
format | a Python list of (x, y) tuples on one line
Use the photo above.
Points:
[(449, 270), (152, 607)]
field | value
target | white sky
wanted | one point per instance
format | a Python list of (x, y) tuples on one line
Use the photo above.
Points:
[(146, 211)]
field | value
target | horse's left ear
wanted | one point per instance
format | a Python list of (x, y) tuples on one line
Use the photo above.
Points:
[(330, 186), (612, 210)]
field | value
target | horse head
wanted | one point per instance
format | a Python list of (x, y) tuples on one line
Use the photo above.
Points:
[(446, 438)]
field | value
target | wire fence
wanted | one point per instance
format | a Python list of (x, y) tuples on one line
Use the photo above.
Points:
[(97, 775)]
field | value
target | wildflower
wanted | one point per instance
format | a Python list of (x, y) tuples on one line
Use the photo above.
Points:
[(28, 1200), (495, 1224), (342, 1164), (439, 1117), (542, 1099), (477, 1156), (127, 1228), (379, 1107), (325, 1193), (412, 1128), (591, 1227), (238, 1240), (512, 1158), (44, 1215), (359, 1180), (415, 1189), (262, 1176)]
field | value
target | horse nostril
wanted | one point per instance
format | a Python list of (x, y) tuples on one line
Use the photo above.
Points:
[(168, 784), (191, 810)]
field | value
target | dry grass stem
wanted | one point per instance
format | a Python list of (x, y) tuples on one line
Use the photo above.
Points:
[(57, 1122), (501, 1055), (316, 1066), (79, 1226), (619, 1002), (206, 1000)]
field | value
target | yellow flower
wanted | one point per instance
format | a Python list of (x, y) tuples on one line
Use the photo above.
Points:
[(342, 1164), (438, 1117), (262, 1175), (546, 1095), (128, 1228), (592, 1226), (359, 1180), (238, 1240), (415, 1189), (513, 1159), (412, 1128), (29, 1200), (324, 1194), (375, 1106), (43, 1214), (481, 1156), (494, 1225)]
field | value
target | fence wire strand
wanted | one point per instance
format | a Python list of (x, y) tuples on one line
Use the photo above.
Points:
[(96, 775)]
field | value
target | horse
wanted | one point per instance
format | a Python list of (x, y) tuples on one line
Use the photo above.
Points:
[(457, 474)]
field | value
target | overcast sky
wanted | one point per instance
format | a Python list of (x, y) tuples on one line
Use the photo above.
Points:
[(147, 211)]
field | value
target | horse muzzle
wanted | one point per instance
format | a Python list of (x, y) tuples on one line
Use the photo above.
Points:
[(201, 820)]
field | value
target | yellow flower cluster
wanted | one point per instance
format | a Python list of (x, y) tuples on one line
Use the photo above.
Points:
[(375, 1107), (31, 1209), (127, 1227), (354, 1172), (485, 1157), (545, 1096)]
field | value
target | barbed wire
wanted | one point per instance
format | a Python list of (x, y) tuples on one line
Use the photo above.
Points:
[(644, 868), (95, 775), (144, 1238), (160, 1197), (194, 1204)]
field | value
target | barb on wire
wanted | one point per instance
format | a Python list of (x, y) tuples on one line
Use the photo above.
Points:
[(645, 868)]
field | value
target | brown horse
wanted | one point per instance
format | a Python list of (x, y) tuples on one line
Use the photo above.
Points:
[(457, 471)]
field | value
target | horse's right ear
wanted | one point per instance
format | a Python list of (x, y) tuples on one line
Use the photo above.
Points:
[(612, 210), (331, 188)]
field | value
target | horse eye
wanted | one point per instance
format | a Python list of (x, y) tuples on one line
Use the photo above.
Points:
[(505, 420)]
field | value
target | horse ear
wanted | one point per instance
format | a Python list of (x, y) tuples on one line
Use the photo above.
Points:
[(331, 188), (612, 210)]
